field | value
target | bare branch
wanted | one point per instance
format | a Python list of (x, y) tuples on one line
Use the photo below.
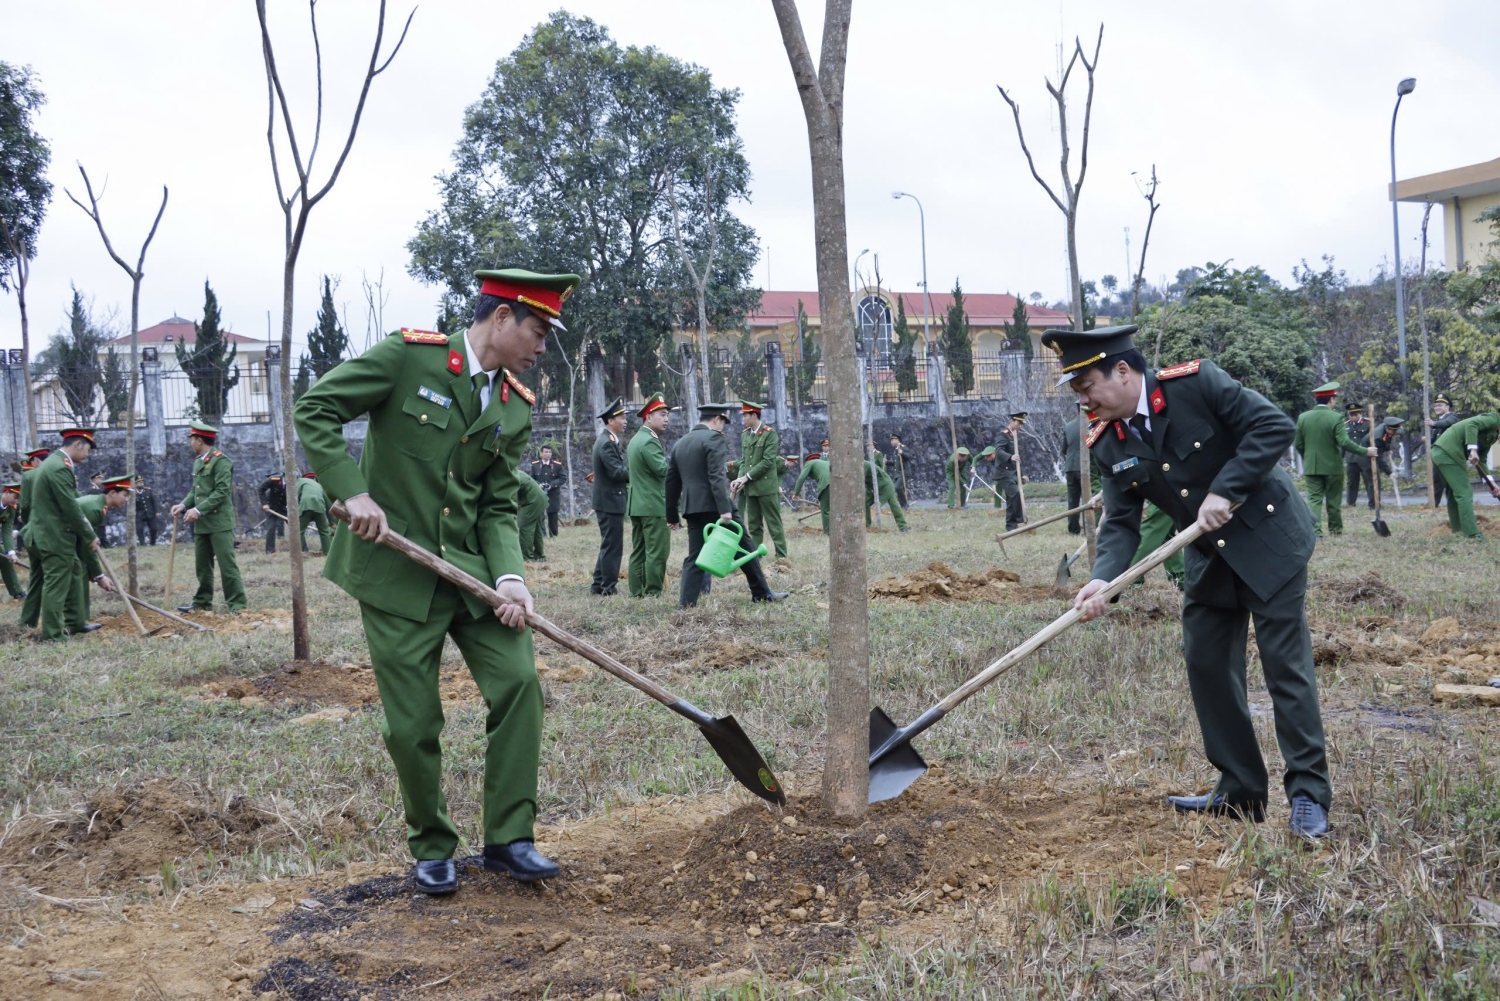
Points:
[(1020, 135), (272, 75), (1088, 104), (399, 42), (92, 211), (803, 71), (312, 16), (140, 265)]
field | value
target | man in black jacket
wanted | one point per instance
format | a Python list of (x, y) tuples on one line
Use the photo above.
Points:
[(1205, 449), (272, 492), (611, 475), (551, 475)]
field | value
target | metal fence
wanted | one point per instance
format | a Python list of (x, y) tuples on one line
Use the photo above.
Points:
[(248, 402)]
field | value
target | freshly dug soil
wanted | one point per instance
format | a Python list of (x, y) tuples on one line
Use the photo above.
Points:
[(277, 620), (353, 685), (1487, 526), (1369, 589), (939, 581)]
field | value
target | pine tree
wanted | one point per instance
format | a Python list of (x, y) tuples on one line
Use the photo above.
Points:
[(303, 380), (812, 355), (1018, 330), (77, 353), (956, 345), (327, 342), (747, 376), (209, 364), (116, 389), (904, 357)]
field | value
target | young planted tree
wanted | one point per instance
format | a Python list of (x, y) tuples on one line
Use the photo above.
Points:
[(904, 352), (296, 198), (209, 363), (1071, 187), (957, 347), (327, 342), (1148, 192), (846, 775), (24, 194), (136, 274)]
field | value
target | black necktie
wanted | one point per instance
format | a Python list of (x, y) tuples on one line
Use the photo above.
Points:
[(1138, 424)]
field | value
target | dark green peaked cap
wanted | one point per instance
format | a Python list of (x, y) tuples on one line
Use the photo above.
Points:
[(1078, 349)]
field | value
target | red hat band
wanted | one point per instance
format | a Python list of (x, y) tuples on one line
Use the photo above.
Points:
[(546, 300), (78, 433), (653, 407)]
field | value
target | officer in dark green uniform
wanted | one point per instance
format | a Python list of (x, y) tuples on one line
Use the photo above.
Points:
[(113, 495), (1008, 472), (650, 539), (312, 509), (60, 532), (449, 421), (1462, 445), (553, 478), (1198, 444), (10, 502), (896, 465), (531, 517), (1444, 417), (698, 484), (31, 605), (1357, 471), (272, 492), (611, 476), (1071, 476), (957, 479), (1322, 437), (759, 480), (209, 508), (815, 469)]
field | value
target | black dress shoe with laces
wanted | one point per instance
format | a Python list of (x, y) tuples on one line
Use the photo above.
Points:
[(772, 596), (437, 876), (1309, 820), (1217, 805), (521, 860)]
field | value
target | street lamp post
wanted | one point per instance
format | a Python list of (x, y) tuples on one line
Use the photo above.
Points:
[(1402, 89), (935, 386), (926, 298)]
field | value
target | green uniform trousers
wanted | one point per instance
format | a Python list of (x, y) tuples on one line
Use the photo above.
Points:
[(767, 509), (1214, 640), (1460, 495), (60, 613), (963, 494), (324, 535), (1323, 492), (823, 508), (650, 545), (1156, 529), (533, 529), (8, 573), (406, 657), (80, 591), (888, 498), (31, 605), (208, 548)]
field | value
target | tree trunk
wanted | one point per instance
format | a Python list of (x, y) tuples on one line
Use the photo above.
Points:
[(1073, 272), (301, 645), (1085, 483), (132, 573), (705, 392), (26, 362)]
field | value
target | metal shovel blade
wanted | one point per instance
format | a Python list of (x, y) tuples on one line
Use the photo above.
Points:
[(1063, 566), (898, 768), (744, 762), (1381, 528)]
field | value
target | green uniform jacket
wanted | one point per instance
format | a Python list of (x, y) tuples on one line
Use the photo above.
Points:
[(532, 499), (1321, 435), (92, 506), (963, 472), (212, 493), (1211, 435), (815, 470), (760, 459), (311, 497), (647, 461), (7, 526), (1480, 430), (697, 476), (444, 472), (57, 523), (23, 508), (611, 475)]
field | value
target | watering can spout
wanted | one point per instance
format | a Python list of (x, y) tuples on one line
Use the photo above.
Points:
[(721, 544)]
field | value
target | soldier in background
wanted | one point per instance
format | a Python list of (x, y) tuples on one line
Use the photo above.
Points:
[(759, 479), (312, 508), (815, 469), (1466, 442), (31, 607), (1323, 441), (957, 480), (611, 476), (531, 518), (145, 513), (10, 502), (1444, 417), (1008, 472), (650, 539), (209, 508), (552, 476), (1357, 471), (897, 468), (1071, 475), (272, 491)]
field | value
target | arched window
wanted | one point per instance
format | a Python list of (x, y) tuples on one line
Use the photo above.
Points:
[(874, 318)]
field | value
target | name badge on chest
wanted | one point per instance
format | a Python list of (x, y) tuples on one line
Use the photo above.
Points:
[(1120, 467), (433, 396)]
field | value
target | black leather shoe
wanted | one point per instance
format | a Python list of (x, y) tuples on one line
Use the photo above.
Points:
[(772, 596), (89, 627), (1215, 805), (436, 876), (1309, 820), (184, 609), (521, 860)]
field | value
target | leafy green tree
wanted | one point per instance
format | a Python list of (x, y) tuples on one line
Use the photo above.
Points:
[(904, 351), (209, 363), (327, 342), (568, 159), (116, 388), (303, 380), (24, 194), (76, 353), (1465, 360), (747, 373), (957, 347), (1018, 330), (812, 354), (1090, 305)]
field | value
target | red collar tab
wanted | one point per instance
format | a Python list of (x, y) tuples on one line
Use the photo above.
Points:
[(1158, 401), (504, 392), (1186, 368), (546, 300), (455, 362), (1120, 430), (520, 389), (423, 336), (1094, 432)]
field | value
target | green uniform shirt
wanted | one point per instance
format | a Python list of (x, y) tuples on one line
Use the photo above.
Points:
[(311, 497), (7, 526), (611, 475), (531, 499), (815, 470), (444, 472), (23, 508), (1321, 436), (647, 463), (760, 459), (57, 523), (212, 493), (1480, 430)]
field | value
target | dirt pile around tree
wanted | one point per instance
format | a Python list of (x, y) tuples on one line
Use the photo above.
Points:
[(119, 623), (939, 581), (1487, 526), (1368, 589)]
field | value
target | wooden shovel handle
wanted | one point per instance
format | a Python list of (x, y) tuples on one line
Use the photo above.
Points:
[(491, 597), (1033, 526), (166, 594), (104, 562)]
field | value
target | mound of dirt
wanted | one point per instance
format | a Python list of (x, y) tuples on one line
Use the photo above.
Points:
[(353, 685), (939, 581), (276, 620), (1487, 526), (1332, 645), (1369, 589)]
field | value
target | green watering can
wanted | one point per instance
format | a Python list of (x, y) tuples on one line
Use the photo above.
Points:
[(719, 547)]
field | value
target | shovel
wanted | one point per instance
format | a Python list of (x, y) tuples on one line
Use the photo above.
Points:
[(166, 594), (895, 764), (1066, 563), (1033, 526), (1381, 528), (724, 734)]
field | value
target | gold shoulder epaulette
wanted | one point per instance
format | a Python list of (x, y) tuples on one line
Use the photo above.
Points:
[(1094, 432), (1186, 368), (525, 393), (423, 336)]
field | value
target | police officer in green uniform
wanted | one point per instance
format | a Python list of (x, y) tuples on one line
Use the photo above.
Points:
[(815, 469), (312, 509), (1205, 449), (1322, 435), (10, 502), (209, 508), (1008, 472), (531, 517), (698, 485), (60, 532), (759, 480), (272, 492), (449, 421), (896, 465), (113, 495), (650, 539), (957, 479), (880, 489), (31, 605), (1465, 444), (1444, 417), (611, 475), (1071, 475)]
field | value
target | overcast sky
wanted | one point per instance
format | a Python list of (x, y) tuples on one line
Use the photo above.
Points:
[(1268, 124)]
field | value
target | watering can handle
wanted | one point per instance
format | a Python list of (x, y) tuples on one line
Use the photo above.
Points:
[(739, 533)]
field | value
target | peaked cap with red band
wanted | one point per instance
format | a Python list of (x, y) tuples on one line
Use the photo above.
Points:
[(201, 430), (657, 402), (38, 453), (543, 293), (85, 433), (115, 483)]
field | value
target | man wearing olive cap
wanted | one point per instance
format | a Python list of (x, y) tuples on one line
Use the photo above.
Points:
[(209, 508), (1443, 418), (1321, 438)]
